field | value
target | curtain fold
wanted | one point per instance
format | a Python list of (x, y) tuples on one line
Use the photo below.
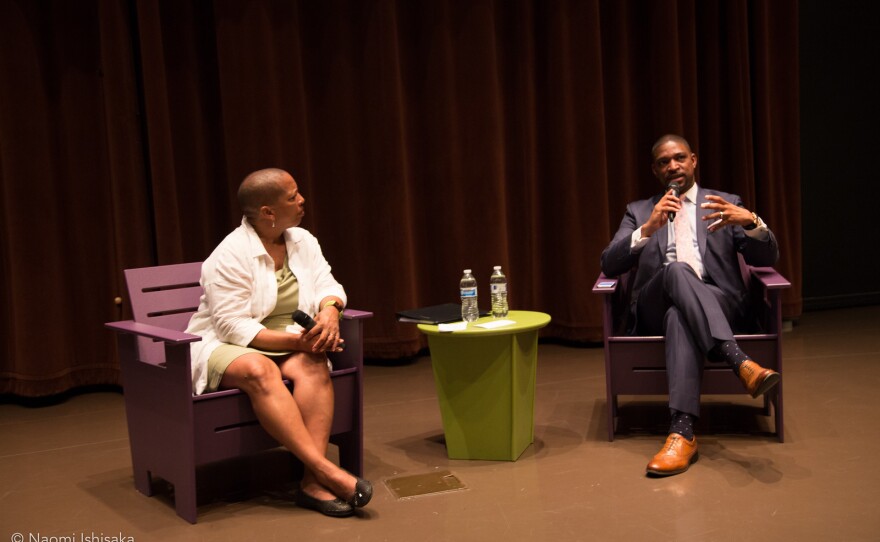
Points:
[(426, 137), (73, 191)]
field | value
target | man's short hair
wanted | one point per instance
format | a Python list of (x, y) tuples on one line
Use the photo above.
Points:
[(260, 188), (666, 139)]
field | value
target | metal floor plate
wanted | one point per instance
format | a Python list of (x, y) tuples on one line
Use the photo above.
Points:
[(405, 487)]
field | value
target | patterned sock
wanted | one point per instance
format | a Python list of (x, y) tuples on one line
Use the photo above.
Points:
[(729, 351), (683, 424)]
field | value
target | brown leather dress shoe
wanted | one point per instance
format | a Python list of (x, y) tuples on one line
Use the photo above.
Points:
[(675, 457), (757, 379)]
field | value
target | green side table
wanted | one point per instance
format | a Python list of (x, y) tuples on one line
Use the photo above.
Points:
[(486, 385)]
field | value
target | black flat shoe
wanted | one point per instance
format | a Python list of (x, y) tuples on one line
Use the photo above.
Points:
[(336, 508), (363, 492)]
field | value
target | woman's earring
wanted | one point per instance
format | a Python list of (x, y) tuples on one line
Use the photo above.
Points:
[(273, 224)]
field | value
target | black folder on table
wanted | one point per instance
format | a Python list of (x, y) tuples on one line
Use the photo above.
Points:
[(435, 314)]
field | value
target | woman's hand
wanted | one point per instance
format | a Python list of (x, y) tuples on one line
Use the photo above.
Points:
[(324, 337)]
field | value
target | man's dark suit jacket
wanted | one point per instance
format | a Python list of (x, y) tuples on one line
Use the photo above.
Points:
[(718, 250)]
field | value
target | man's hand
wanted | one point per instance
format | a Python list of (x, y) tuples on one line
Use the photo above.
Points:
[(727, 214), (669, 203)]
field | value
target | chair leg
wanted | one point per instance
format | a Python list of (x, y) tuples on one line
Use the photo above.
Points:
[(351, 456), (612, 415), (143, 482), (780, 430), (185, 498)]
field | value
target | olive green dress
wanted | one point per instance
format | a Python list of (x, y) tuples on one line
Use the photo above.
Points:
[(278, 320)]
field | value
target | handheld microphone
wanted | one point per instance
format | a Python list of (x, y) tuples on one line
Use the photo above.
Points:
[(676, 189), (307, 322)]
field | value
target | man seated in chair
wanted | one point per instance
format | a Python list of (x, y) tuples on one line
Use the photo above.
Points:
[(688, 286), (260, 273)]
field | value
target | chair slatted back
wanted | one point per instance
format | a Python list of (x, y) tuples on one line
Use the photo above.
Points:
[(164, 296)]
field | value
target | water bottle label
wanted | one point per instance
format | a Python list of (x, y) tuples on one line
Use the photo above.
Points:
[(468, 292), (499, 288)]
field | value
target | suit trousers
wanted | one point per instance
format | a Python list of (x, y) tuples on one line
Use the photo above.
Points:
[(694, 317)]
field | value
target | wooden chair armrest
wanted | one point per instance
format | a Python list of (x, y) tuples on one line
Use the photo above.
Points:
[(605, 285), (769, 278), (167, 335), (153, 332), (354, 314)]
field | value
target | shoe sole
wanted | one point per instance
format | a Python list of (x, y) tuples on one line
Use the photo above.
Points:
[(304, 500), (661, 473), (334, 514), (766, 385)]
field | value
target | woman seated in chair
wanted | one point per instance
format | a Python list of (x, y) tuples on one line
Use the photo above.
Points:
[(253, 281)]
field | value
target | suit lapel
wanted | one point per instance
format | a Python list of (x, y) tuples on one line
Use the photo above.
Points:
[(663, 240)]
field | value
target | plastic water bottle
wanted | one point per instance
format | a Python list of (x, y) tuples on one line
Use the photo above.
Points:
[(498, 288), (468, 286)]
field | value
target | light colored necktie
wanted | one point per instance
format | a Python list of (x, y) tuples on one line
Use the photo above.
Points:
[(684, 240)]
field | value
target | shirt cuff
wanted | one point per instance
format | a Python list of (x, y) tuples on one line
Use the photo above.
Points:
[(760, 233), (637, 242)]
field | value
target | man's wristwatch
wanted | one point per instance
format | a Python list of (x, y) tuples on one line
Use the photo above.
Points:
[(754, 223), (335, 304)]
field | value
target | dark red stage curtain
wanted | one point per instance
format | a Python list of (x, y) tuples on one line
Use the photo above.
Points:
[(427, 137), (74, 201)]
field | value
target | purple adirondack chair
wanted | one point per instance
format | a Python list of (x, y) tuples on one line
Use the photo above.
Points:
[(173, 432), (637, 366)]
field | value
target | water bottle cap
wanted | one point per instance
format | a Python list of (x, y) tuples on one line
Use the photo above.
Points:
[(497, 268), (466, 271)]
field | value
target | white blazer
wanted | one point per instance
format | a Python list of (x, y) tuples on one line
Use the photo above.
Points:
[(240, 290)]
